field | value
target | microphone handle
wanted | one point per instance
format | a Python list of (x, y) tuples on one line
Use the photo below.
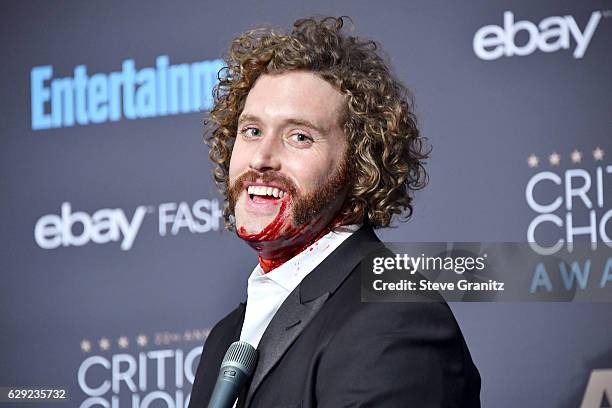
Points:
[(227, 388)]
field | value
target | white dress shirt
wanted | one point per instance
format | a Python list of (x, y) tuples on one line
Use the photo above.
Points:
[(267, 291)]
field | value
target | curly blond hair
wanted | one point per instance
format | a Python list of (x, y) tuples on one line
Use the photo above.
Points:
[(387, 157)]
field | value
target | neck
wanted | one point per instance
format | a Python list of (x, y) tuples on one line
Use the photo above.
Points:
[(280, 240)]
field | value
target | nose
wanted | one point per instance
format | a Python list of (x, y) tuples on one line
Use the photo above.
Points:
[(266, 156)]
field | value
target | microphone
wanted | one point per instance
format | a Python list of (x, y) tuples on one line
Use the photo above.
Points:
[(237, 366)]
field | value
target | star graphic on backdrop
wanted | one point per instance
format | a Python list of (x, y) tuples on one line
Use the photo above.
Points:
[(104, 343), (598, 154), (85, 346), (554, 159), (123, 342), (576, 156), (142, 340), (187, 336), (533, 161)]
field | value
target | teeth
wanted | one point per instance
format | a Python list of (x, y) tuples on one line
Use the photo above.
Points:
[(265, 191)]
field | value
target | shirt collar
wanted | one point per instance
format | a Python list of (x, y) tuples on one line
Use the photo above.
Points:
[(290, 274)]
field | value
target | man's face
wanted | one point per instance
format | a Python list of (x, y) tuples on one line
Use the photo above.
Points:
[(287, 171)]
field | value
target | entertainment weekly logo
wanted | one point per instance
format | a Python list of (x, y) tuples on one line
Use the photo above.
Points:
[(549, 35), (141, 371), (86, 98), (68, 227)]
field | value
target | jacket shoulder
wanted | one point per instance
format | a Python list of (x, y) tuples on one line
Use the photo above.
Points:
[(215, 346), (395, 353)]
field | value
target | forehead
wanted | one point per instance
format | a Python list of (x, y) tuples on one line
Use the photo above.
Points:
[(295, 95)]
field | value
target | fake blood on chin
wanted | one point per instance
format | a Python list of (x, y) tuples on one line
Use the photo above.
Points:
[(273, 258)]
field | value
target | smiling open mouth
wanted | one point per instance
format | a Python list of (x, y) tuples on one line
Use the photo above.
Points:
[(265, 193)]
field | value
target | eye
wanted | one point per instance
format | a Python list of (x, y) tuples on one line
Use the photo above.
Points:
[(300, 139), (251, 132)]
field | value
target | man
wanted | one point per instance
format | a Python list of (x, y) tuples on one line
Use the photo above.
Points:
[(315, 144)]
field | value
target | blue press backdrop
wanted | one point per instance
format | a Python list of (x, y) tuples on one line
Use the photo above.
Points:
[(114, 264)]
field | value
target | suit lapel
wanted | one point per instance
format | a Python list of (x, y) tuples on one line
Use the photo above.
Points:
[(305, 301), (285, 327)]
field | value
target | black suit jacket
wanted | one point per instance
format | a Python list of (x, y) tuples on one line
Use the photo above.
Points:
[(325, 348)]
